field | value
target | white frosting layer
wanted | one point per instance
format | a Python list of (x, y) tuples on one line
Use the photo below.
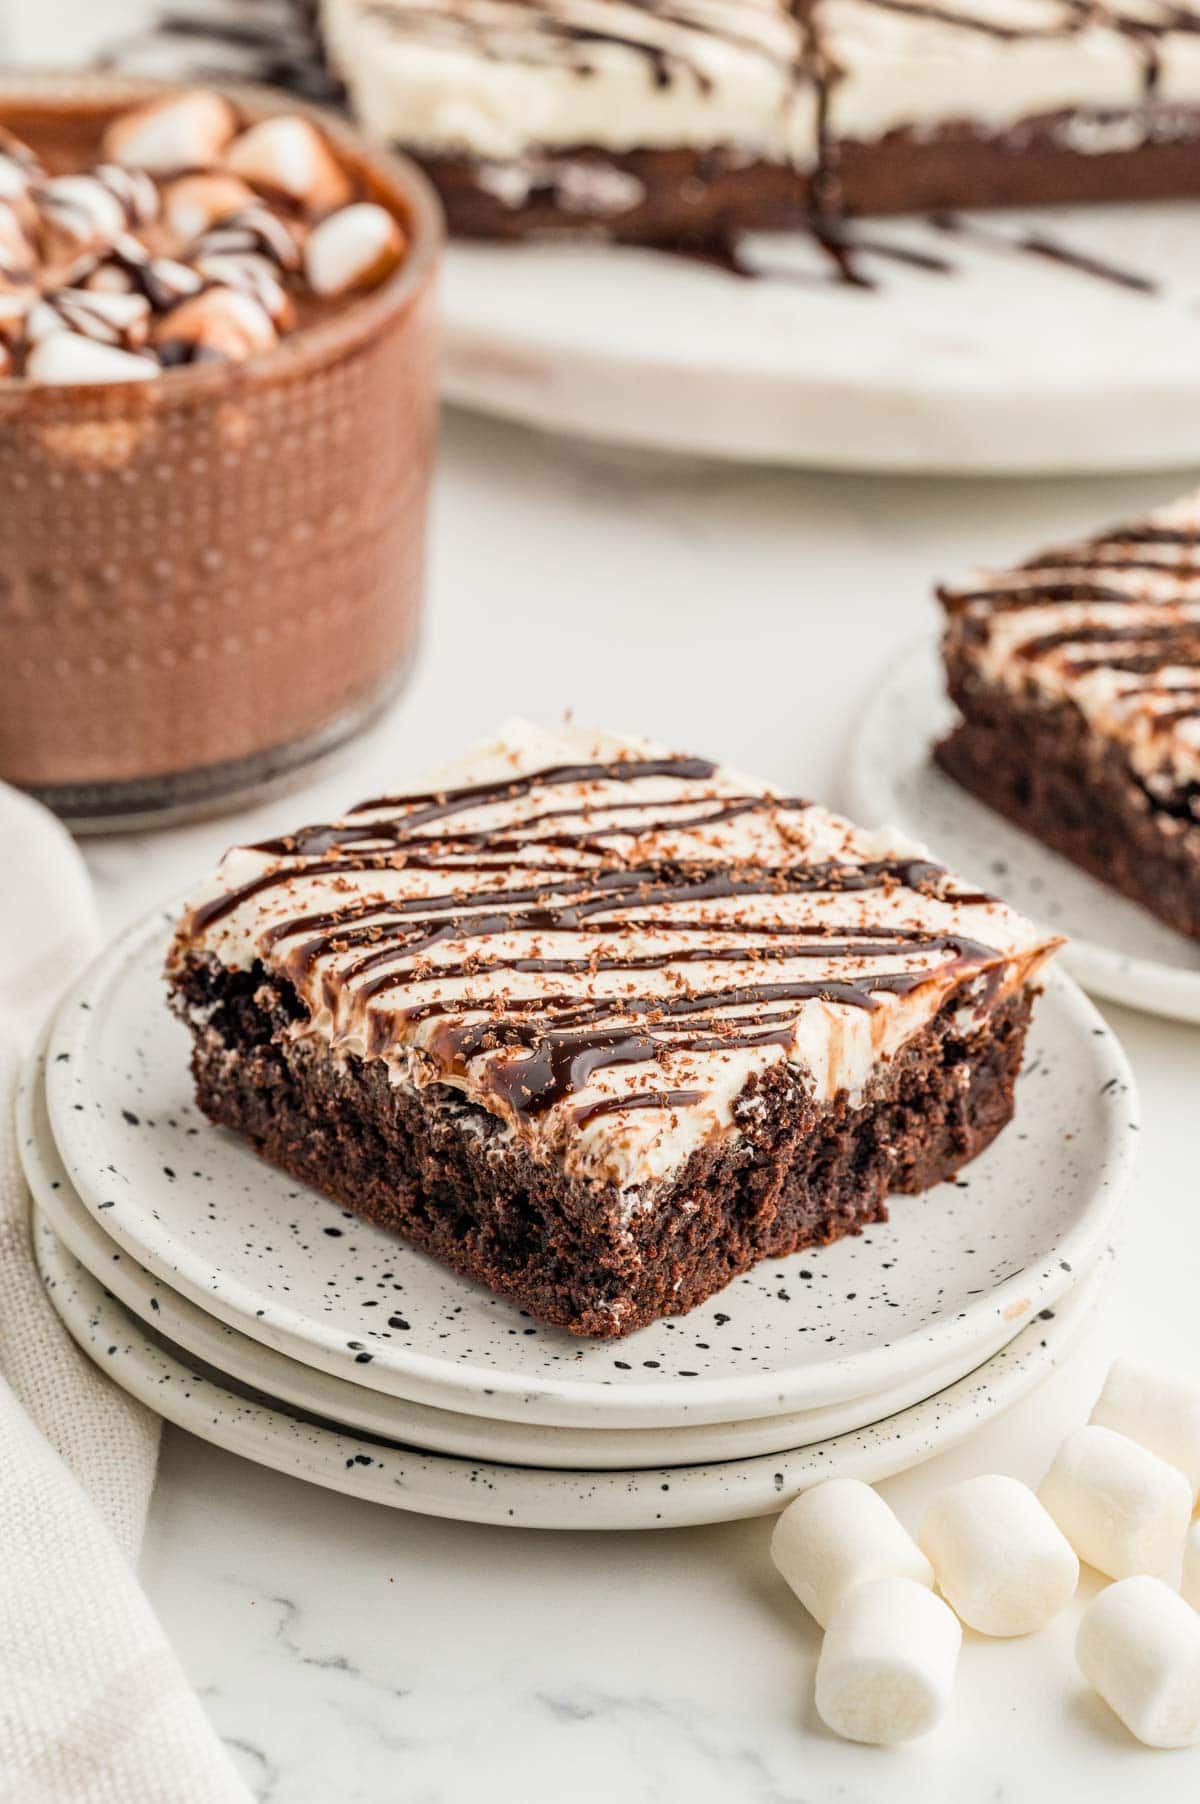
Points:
[(1154, 585), (899, 69), (623, 961), (500, 78)]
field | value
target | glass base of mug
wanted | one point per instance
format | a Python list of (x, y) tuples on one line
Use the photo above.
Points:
[(143, 803)]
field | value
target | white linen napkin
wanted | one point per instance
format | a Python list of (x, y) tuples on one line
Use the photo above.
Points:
[(94, 1706)]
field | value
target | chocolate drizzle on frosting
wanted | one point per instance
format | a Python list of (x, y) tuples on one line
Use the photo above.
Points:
[(612, 945)]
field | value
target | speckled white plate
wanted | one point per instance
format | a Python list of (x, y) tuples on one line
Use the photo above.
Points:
[(1002, 362), (473, 1490), (1116, 949), (201, 1336), (293, 1270)]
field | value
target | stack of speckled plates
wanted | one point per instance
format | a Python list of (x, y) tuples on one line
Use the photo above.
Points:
[(261, 1316)]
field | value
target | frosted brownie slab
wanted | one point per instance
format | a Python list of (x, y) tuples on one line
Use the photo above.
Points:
[(601, 1026), (1077, 676), (681, 121)]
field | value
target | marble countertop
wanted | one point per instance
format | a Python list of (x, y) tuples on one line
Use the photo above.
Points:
[(354, 1655)]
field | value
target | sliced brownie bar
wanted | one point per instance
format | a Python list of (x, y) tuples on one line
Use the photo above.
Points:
[(600, 1026), (1078, 679), (681, 121)]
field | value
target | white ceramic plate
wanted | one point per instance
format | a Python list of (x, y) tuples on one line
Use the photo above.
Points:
[(1005, 364), (223, 1348), (954, 1268), (254, 1426), (1116, 949)]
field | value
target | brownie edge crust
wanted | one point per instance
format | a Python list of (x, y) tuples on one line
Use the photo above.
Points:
[(1039, 764), (440, 1172)]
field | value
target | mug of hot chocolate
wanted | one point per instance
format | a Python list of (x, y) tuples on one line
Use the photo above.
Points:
[(217, 414)]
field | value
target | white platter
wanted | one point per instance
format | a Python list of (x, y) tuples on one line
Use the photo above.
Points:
[(242, 1422), (1116, 949), (1005, 364), (953, 1269), (203, 1337)]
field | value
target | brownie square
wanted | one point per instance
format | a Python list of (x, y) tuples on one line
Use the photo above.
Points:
[(601, 1026), (1077, 677)]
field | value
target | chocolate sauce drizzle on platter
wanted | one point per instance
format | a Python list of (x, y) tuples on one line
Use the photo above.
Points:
[(532, 931)]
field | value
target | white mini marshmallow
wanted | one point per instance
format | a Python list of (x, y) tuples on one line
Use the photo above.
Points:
[(353, 248), (18, 254), (193, 203), (181, 131), (288, 155), (887, 1664), (80, 210), (1191, 1566), (1139, 1645), (19, 167), (222, 323), (68, 357), (253, 276), (1122, 1508), (1001, 1562), (1158, 1408), (838, 1535)]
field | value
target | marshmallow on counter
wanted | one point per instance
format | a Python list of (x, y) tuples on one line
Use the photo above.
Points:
[(68, 357), (353, 248), (1191, 1566), (1139, 1646), (287, 155), (1156, 1407), (1001, 1562), (837, 1536), (887, 1664), (1122, 1508), (182, 131)]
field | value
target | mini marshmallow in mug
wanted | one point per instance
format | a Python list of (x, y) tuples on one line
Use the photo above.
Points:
[(113, 319), (353, 248), (192, 204), (221, 323), (287, 155), (254, 276), (179, 132), (67, 357)]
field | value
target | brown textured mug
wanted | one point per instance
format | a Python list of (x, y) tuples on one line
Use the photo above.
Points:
[(211, 578)]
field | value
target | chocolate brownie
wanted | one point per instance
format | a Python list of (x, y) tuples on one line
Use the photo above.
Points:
[(1077, 676), (600, 1026), (681, 121)]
